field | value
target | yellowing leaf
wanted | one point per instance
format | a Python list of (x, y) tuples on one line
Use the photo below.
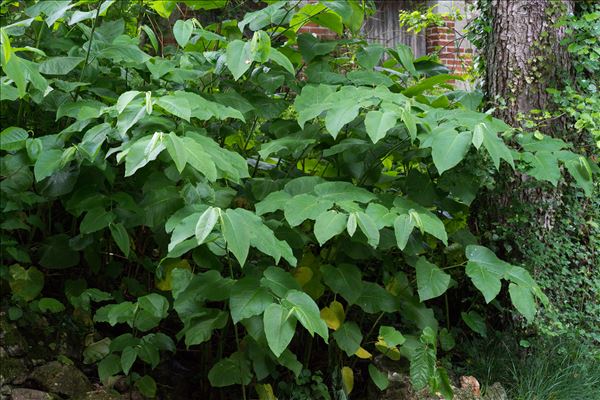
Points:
[(333, 315), (168, 266), (347, 380), (391, 352), (362, 353), (303, 275), (265, 392)]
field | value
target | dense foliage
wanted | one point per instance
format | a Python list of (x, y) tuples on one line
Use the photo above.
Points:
[(563, 257), (246, 187)]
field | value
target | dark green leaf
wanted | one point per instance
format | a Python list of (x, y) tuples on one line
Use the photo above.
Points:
[(475, 322), (234, 370), (13, 138), (422, 366), (247, 299), (348, 337), (147, 386), (344, 280), (379, 378), (120, 236)]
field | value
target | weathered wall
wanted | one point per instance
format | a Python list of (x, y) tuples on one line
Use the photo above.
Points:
[(383, 27)]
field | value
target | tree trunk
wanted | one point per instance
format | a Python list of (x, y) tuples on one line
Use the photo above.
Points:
[(524, 55), (523, 58)]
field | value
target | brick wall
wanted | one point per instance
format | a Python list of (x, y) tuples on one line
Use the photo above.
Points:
[(315, 29), (320, 31), (454, 52)]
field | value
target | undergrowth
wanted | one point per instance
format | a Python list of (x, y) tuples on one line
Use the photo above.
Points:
[(558, 368)]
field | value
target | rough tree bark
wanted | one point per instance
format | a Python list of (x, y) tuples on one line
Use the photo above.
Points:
[(524, 55), (523, 58)]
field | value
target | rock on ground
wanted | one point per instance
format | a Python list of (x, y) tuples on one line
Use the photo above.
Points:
[(30, 394), (62, 379)]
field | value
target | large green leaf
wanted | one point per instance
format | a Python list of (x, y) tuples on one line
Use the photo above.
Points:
[(337, 117), (391, 336), (379, 378), (405, 56), (126, 98), (348, 337), (273, 202), (579, 168), (239, 58), (280, 327), (120, 236), (485, 270), (329, 224), (449, 148), (522, 299), (182, 30), (307, 312), (496, 148), (25, 284), (234, 370), (431, 280), (198, 158), (279, 58), (206, 223), (428, 83), (200, 330), (368, 227), (369, 56), (475, 322), (47, 163), (236, 235), (59, 65), (375, 299), (344, 280), (177, 150), (260, 46), (109, 366), (272, 14), (247, 299), (422, 366), (403, 227), (279, 281), (543, 165), (312, 101), (343, 191), (142, 152), (311, 47), (303, 207), (177, 105), (96, 219), (378, 123), (13, 138)]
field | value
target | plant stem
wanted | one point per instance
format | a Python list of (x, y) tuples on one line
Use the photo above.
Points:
[(235, 331), (89, 49)]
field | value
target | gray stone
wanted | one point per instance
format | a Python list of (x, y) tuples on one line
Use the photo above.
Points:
[(61, 379), (11, 339), (12, 370), (103, 394), (495, 392), (30, 394)]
